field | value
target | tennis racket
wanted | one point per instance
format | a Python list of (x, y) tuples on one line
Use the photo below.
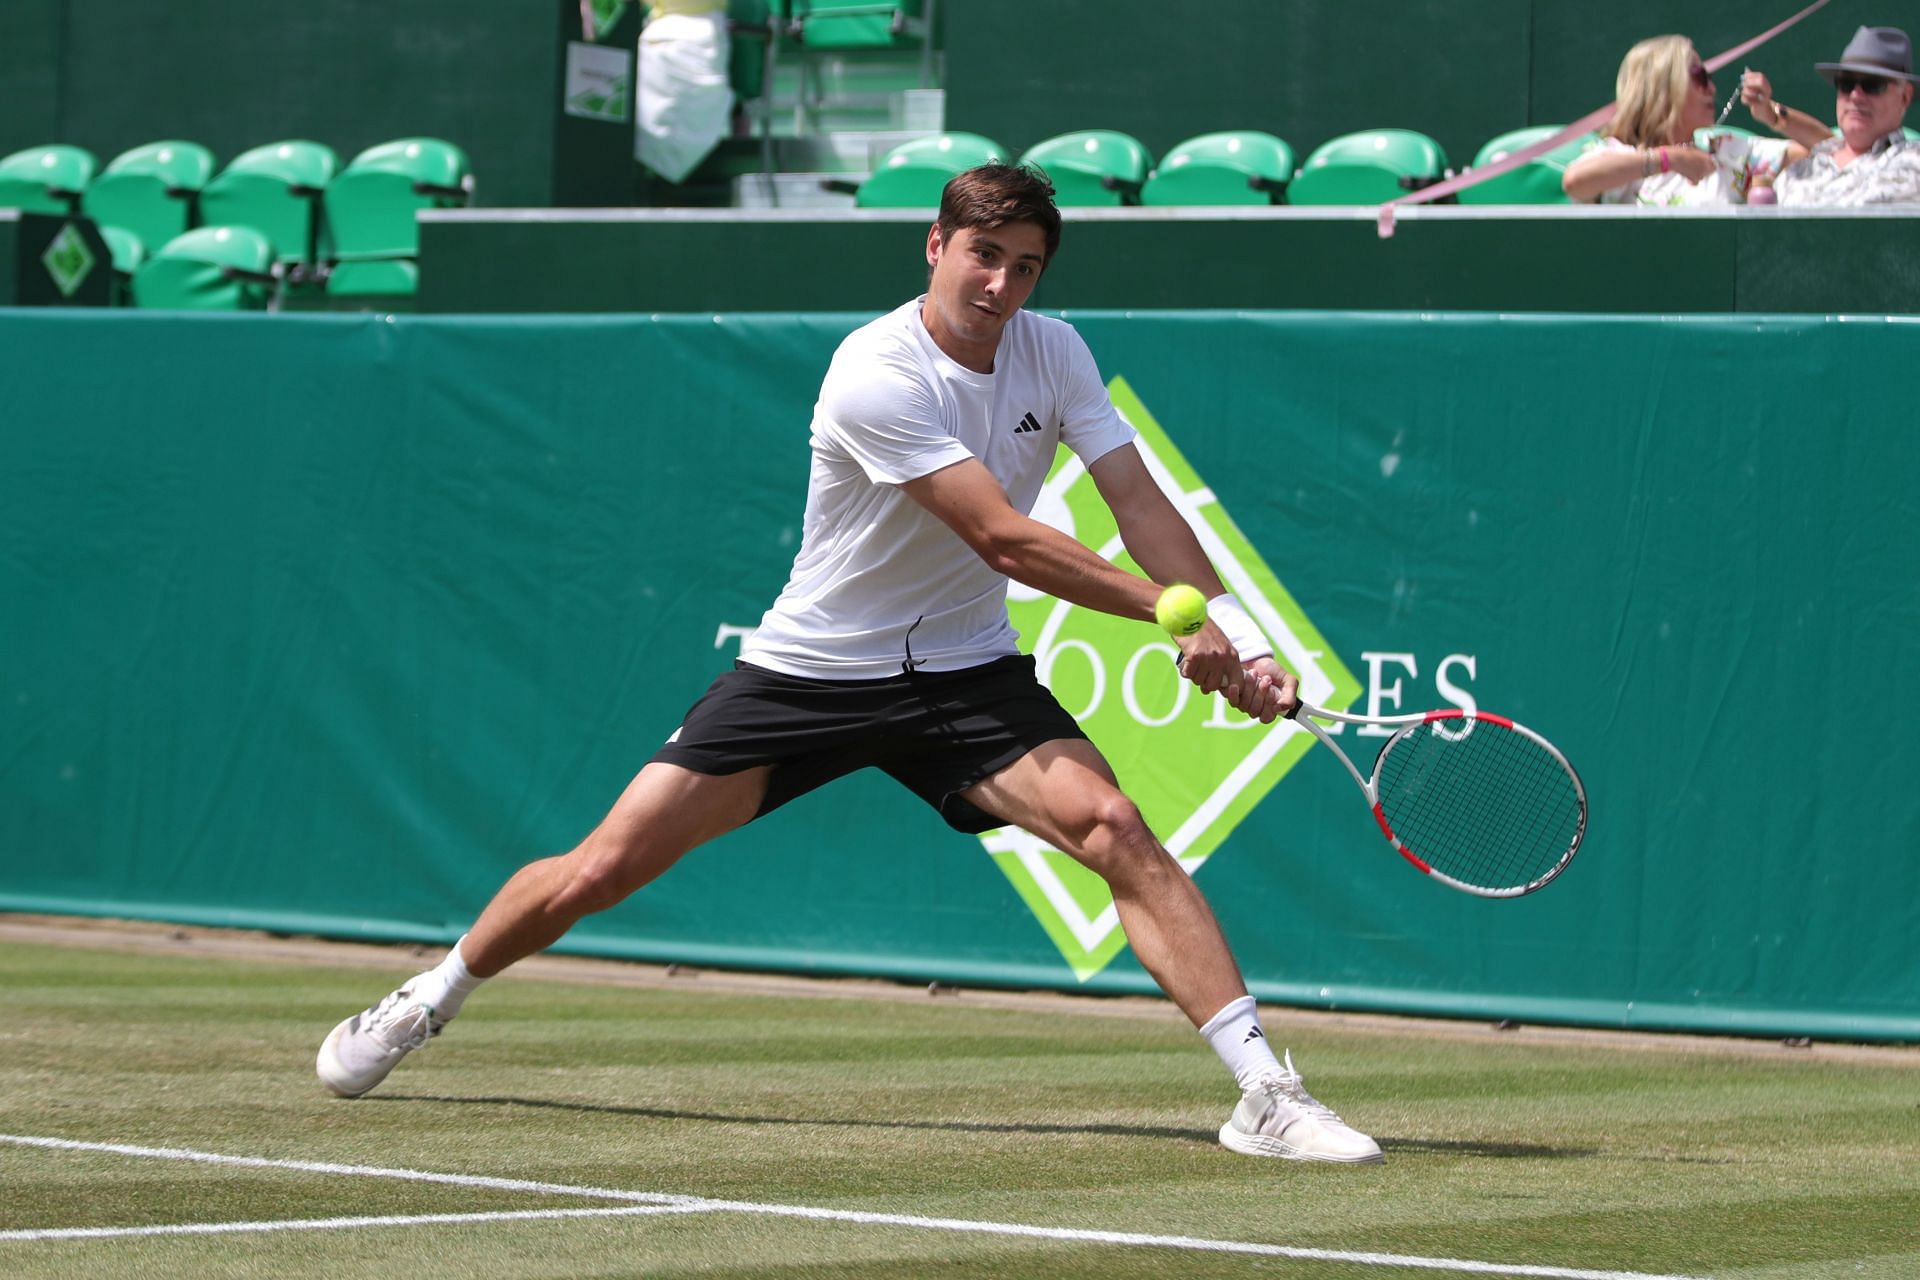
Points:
[(1474, 800)]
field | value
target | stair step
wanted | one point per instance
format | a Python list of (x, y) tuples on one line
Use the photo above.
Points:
[(792, 190), (859, 150), (893, 102), (923, 111)]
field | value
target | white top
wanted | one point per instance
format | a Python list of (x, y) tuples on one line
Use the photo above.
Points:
[(873, 563), (1737, 159)]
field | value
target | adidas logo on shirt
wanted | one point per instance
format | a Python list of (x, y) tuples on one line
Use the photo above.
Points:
[(1028, 423)]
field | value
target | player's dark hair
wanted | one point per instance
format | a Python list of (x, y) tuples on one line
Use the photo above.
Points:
[(993, 195)]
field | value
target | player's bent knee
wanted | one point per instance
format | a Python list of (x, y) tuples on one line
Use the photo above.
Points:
[(1118, 824), (1120, 846)]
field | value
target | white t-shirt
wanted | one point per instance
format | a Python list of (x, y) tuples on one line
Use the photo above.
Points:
[(874, 564), (1736, 158)]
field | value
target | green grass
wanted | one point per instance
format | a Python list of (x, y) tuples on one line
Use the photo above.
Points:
[(1581, 1154)]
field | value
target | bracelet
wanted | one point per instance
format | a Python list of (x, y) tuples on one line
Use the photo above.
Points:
[(1244, 634), (1665, 165), (1779, 115), (1646, 164)]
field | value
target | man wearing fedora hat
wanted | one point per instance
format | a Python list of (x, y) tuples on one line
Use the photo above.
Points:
[(1871, 161)]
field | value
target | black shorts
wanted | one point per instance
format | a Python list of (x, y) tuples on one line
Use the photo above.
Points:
[(935, 732)]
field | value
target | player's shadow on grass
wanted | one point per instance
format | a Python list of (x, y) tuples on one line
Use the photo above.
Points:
[(1488, 1150), (1206, 1136), (1529, 1151)]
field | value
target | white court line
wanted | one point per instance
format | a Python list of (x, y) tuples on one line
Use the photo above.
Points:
[(357, 1170), (657, 1202), (336, 1224)]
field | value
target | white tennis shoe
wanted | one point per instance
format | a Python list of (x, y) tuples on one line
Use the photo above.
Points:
[(1278, 1117), (358, 1054)]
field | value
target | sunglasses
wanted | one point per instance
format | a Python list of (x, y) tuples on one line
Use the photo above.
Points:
[(1872, 86), (1700, 76)]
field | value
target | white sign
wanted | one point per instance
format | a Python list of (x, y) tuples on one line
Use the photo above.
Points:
[(599, 82)]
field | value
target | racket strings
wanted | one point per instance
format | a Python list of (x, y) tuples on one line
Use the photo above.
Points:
[(1480, 803)]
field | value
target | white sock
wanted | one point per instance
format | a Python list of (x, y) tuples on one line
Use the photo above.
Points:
[(1235, 1035), (445, 987)]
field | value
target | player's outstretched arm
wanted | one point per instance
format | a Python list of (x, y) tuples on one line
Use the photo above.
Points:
[(1163, 543), (1156, 535), (967, 498)]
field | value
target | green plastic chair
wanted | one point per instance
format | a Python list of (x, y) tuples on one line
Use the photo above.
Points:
[(128, 250), (854, 24), (374, 279), (824, 34), (913, 174), (370, 206), (1240, 166), (48, 179), (150, 190), (1092, 167), (276, 190), (1913, 134), (1535, 182), (209, 269), (127, 253), (1372, 166)]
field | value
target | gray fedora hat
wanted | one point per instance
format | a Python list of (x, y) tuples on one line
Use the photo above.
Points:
[(1874, 51)]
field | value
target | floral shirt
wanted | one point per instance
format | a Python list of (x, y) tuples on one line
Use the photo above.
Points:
[(1738, 160), (1889, 173)]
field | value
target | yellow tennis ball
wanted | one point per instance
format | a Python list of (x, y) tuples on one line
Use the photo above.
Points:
[(1181, 609)]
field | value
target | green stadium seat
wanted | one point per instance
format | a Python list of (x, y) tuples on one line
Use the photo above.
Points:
[(855, 24), (209, 269), (1372, 166), (370, 206), (913, 174), (1240, 166), (1912, 133), (1092, 167), (1535, 182), (46, 179), (823, 35), (150, 190), (384, 278), (128, 249), (127, 252), (276, 190)]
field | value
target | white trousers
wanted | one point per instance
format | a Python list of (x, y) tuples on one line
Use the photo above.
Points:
[(684, 102)]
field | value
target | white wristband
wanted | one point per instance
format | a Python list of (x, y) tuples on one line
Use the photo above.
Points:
[(1247, 638)]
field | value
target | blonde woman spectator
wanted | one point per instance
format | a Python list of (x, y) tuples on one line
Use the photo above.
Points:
[(1646, 154)]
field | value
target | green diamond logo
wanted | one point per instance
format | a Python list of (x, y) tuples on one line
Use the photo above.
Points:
[(1194, 765), (68, 260)]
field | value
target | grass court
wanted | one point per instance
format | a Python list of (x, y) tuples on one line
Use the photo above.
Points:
[(161, 1118)]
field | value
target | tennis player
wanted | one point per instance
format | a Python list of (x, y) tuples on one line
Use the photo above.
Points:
[(890, 648)]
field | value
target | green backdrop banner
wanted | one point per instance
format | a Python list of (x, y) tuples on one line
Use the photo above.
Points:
[(327, 623)]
